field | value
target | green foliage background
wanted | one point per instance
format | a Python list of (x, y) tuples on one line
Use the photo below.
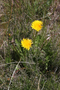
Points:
[(41, 61)]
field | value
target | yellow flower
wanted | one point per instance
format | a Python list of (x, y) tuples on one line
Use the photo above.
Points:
[(26, 43), (37, 25)]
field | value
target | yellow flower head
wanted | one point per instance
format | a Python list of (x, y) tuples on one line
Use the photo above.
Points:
[(26, 43), (37, 25)]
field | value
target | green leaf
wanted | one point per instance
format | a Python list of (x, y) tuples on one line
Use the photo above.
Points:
[(8, 59), (17, 43)]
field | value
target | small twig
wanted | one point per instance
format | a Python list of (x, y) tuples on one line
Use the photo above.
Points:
[(13, 75), (56, 69), (43, 85), (15, 63), (39, 83)]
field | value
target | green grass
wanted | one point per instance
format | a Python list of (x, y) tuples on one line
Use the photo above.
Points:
[(23, 68)]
